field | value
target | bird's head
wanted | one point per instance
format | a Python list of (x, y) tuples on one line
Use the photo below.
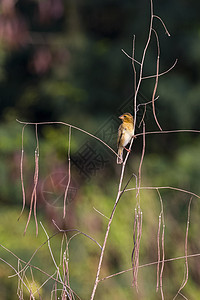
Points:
[(126, 117)]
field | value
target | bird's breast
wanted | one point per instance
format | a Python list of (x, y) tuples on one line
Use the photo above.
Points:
[(127, 135)]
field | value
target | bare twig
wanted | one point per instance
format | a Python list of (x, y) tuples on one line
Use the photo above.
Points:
[(162, 246), (34, 196), (131, 57), (169, 131), (156, 82), (69, 173), (185, 280), (163, 187), (163, 73), (158, 247), (21, 174), (141, 161), (69, 125), (100, 213), (150, 264), (167, 32)]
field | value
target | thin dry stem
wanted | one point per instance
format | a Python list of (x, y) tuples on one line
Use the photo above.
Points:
[(150, 264), (72, 126), (137, 249), (51, 252), (163, 73), (21, 174), (158, 247), (134, 247), (69, 173), (141, 161), (162, 246), (134, 75), (162, 261), (163, 187), (133, 59), (100, 213), (185, 280), (167, 32), (183, 296), (33, 196), (168, 131), (156, 82)]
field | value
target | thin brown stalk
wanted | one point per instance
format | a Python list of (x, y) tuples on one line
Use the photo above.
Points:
[(21, 174), (131, 57), (183, 296), (167, 32), (50, 250), (144, 113), (162, 246), (168, 131), (185, 280), (134, 248), (162, 262), (69, 125), (67, 263), (161, 74), (150, 264), (56, 286), (156, 82), (158, 247), (100, 213), (139, 234), (163, 187), (134, 75), (141, 161), (69, 173), (20, 283), (64, 276), (33, 196)]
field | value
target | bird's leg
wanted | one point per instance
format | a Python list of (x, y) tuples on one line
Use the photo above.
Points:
[(128, 150)]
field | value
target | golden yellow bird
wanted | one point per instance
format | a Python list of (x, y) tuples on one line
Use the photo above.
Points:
[(125, 133)]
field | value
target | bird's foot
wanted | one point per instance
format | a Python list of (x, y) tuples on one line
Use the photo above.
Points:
[(128, 150)]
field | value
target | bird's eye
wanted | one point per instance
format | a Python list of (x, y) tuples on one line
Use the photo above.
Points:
[(124, 116)]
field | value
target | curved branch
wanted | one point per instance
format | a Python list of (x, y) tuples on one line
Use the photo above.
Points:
[(163, 73), (69, 125)]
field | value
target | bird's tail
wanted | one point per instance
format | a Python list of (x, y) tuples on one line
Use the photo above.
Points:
[(120, 155)]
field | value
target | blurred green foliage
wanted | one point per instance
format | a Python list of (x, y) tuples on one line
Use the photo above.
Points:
[(62, 61)]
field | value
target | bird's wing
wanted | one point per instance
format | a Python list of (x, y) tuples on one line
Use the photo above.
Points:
[(120, 132)]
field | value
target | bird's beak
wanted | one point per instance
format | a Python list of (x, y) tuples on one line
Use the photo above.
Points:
[(121, 117)]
